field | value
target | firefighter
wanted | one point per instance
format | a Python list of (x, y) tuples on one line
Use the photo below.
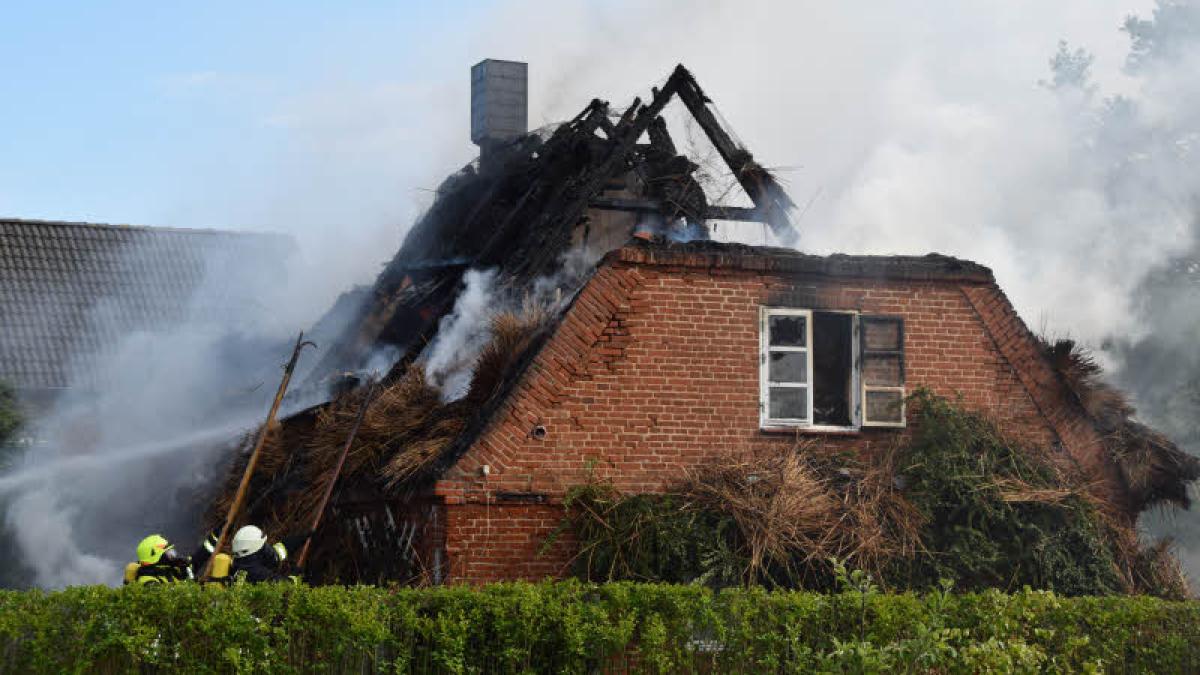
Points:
[(202, 554), (254, 561), (158, 563)]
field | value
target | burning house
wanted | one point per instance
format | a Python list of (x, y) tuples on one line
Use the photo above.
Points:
[(634, 347)]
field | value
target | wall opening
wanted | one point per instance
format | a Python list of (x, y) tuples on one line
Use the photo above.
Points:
[(833, 368)]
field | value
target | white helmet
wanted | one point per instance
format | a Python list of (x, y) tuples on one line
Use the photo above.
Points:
[(247, 541)]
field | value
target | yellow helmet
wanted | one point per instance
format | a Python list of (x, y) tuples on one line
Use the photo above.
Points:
[(152, 548)]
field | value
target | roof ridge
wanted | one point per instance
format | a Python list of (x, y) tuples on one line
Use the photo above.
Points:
[(125, 227)]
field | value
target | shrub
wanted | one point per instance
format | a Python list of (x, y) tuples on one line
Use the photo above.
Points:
[(10, 413), (574, 627), (976, 508), (997, 514)]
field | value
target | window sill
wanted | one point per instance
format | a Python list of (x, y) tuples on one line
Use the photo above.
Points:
[(814, 430), (794, 430)]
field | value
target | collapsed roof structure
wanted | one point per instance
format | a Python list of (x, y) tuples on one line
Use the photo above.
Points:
[(534, 199), (549, 211)]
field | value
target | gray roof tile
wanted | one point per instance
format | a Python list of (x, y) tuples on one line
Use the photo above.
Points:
[(54, 274)]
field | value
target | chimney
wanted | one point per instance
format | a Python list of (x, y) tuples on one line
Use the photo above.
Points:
[(499, 102)]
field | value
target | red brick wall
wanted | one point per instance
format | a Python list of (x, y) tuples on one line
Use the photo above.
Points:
[(655, 368), (496, 541), (1013, 339)]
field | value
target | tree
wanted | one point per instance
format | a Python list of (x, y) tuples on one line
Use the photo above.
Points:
[(10, 414), (1070, 69), (1172, 31)]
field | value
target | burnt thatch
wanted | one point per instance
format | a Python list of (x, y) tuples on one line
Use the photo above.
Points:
[(406, 430), (586, 183), (1155, 470)]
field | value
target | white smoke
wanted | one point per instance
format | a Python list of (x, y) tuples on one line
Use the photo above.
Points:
[(137, 441), (45, 528), (462, 335), (915, 129)]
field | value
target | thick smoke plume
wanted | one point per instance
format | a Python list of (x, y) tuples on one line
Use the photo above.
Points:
[(152, 416), (132, 446)]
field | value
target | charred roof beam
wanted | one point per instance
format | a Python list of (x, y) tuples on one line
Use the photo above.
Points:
[(758, 183), (714, 212)]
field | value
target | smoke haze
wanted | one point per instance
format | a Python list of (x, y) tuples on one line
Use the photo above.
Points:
[(131, 446), (901, 127)]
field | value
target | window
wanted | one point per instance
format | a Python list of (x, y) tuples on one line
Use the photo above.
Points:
[(882, 371), (787, 362), (831, 369)]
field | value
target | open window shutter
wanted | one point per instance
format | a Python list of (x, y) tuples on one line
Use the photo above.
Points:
[(881, 344)]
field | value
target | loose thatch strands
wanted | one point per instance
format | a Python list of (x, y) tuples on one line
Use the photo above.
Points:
[(800, 508), (1153, 467), (748, 518), (332, 479), (405, 430), (239, 495)]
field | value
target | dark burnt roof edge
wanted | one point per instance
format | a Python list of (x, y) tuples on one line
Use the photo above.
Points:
[(719, 255)]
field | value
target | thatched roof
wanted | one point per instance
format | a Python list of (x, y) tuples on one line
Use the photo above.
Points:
[(406, 435), (1156, 471)]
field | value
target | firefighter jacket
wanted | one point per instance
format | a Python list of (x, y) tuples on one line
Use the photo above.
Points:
[(269, 563)]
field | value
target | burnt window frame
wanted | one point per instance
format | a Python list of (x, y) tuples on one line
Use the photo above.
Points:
[(898, 354), (858, 387)]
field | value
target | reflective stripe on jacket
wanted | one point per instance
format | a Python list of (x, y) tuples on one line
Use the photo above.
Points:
[(162, 574)]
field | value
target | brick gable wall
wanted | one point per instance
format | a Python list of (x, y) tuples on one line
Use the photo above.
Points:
[(655, 368)]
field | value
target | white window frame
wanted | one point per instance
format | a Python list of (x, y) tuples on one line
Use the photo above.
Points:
[(764, 383), (858, 387)]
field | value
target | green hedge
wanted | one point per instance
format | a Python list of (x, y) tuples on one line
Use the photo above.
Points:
[(576, 627)]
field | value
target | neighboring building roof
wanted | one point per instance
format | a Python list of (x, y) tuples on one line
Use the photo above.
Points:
[(70, 289)]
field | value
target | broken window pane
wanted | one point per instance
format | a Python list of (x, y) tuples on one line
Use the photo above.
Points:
[(882, 370), (789, 367), (882, 334), (885, 406), (788, 331), (788, 403)]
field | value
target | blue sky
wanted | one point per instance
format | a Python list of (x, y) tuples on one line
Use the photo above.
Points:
[(110, 109)]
